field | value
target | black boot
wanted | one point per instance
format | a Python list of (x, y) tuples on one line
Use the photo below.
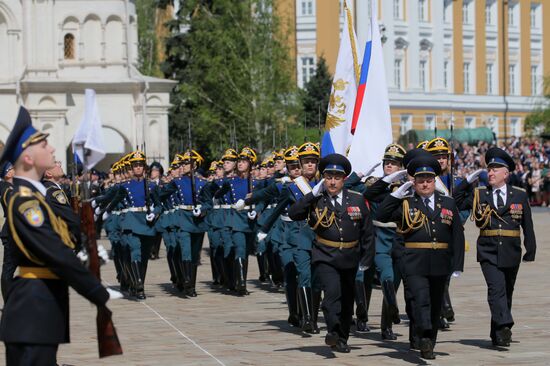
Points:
[(218, 258), (191, 291), (136, 269), (447, 308), (277, 271), (389, 298), (187, 276), (362, 311), (262, 267), (229, 271), (240, 276), (426, 349), (292, 303), (386, 324), (304, 296)]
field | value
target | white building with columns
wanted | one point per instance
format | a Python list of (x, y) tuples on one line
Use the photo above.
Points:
[(52, 50)]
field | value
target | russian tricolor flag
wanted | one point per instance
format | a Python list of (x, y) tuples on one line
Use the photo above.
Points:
[(371, 123)]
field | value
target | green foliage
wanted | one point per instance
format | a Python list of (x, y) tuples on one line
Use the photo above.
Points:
[(316, 94), (235, 76), (147, 50), (538, 122)]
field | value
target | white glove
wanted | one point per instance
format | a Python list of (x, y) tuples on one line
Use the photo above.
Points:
[(372, 169), (252, 215), (197, 211), (114, 294), (105, 215), (402, 191), (474, 176), (102, 253), (440, 187), (457, 273), (150, 217), (95, 218), (261, 235), (393, 177), (97, 211), (94, 204), (286, 179), (319, 188), (82, 256), (239, 205)]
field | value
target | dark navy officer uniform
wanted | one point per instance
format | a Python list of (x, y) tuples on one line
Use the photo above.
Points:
[(343, 243), (500, 214)]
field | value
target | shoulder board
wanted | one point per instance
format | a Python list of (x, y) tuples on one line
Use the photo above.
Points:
[(25, 191), (354, 192), (371, 180), (519, 188), (409, 196), (481, 187)]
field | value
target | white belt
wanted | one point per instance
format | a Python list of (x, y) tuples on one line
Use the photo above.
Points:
[(116, 213), (188, 207), (225, 206), (216, 207), (271, 206), (248, 207), (286, 218), (137, 209), (392, 225), (124, 210)]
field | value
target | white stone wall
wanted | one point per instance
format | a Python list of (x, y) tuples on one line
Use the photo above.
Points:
[(37, 74)]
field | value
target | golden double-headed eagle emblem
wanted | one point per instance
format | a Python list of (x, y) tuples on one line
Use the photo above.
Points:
[(337, 107)]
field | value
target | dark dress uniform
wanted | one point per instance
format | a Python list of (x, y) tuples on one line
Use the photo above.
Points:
[(344, 241), (35, 319), (433, 249), (8, 266), (499, 241)]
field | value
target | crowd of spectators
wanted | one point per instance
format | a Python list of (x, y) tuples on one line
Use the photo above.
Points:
[(532, 158)]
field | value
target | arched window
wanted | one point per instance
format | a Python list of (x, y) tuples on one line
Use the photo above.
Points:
[(68, 44)]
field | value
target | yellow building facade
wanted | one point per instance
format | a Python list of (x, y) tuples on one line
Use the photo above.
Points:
[(471, 63)]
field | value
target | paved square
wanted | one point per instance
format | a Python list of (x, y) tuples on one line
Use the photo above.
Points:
[(217, 328)]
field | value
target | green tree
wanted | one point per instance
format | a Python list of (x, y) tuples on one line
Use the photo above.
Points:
[(538, 122), (235, 76), (147, 49), (315, 96)]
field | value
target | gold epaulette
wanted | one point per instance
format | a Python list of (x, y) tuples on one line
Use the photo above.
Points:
[(519, 188), (481, 187), (371, 180), (25, 191)]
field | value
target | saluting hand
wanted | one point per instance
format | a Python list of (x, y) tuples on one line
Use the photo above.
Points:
[(402, 191), (394, 177), (319, 188), (474, 176)]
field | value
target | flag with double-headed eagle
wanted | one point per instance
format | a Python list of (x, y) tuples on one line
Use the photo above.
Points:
[(337, 136)]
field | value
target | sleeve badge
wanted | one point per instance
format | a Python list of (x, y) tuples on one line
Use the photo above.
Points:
[(60, 197), (32, 213)]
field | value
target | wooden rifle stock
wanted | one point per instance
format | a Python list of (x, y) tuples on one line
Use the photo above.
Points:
[(107, 338)]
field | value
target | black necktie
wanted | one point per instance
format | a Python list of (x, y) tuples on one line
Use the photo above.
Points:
[(336, 204), (500, 201), (427, 203)]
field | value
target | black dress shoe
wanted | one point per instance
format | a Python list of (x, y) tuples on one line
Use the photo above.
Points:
[(388, 334), (503, 337), (294, 320), (341, 346), (443, 323), (331, 339), (426, 349), (362, 326), (140, 295)]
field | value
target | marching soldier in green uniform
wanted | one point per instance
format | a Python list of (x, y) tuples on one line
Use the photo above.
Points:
[(434, 244), (36, 314), (344, 242), (501, 212)]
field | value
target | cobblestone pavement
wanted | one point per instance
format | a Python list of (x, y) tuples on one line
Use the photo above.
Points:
[(219, 328)]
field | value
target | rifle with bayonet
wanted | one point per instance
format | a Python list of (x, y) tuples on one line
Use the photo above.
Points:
[(107, 338), (192, 166)]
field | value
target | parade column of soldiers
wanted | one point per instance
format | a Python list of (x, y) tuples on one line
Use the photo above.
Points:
[(330, 237)]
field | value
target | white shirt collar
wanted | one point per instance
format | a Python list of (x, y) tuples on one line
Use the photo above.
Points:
[(338, 197), (35, 183), (431, 198)]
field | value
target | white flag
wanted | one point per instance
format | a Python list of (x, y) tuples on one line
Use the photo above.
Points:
[(371, 117), (88, 139), (337, 137)]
